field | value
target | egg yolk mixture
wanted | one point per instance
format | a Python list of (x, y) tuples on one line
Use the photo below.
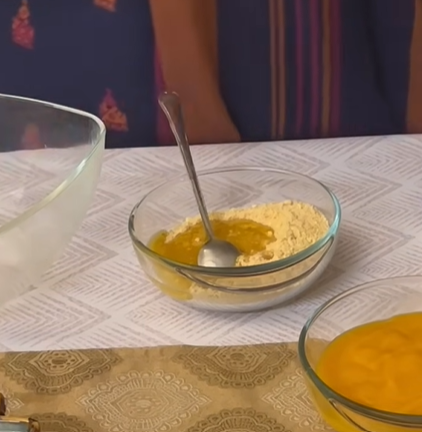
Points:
[(261, 233), (378, 365), (248, 236)]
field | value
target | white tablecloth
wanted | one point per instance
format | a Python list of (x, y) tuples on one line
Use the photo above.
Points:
[(97, 296)]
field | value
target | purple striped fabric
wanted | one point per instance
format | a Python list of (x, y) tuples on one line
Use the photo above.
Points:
[(315, 65), (299, 20), (335, 67)]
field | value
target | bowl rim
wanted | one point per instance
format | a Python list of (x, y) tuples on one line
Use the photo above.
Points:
[(258, 269), (74, 172), (328, 392)]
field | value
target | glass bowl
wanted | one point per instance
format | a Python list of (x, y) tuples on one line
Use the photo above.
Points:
[(50, 161), (372, 301), (237, 288)]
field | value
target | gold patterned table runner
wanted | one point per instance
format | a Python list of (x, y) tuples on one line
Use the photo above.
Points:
[(194, 389)]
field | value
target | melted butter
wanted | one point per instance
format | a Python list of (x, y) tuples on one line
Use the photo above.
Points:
[(378, 365), (248, 236)]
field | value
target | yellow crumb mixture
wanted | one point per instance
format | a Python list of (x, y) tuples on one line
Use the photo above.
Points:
[(261, 233)]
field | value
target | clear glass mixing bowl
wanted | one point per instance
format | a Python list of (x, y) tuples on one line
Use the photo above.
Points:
[(237, 288), (50, 161), (373, 301)]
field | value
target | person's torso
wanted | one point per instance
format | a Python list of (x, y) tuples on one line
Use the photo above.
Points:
[(288, 69)]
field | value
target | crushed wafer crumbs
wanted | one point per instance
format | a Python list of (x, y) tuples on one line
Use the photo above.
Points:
[(290, 227)]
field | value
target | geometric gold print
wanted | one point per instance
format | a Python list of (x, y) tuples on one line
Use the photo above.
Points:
[(236, 367), (240, 420), (142, 401), (57, 372)]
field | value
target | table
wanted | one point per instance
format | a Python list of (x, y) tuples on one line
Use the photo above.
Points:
[(97, 296)]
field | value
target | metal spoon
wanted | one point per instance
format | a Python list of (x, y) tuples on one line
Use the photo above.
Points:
[(215, 253)]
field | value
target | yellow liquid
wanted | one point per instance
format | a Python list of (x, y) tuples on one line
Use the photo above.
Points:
[(378, 365), (248, 236)]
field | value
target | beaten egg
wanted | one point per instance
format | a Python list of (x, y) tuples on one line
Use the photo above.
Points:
[(378, 365)]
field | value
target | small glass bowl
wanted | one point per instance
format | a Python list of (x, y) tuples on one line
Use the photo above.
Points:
[(374, 301), (236, 288)]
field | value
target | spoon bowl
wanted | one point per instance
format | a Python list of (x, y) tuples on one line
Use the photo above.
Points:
[(217, 253)]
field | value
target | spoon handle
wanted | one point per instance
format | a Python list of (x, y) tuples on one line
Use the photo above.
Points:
[(170, 104)]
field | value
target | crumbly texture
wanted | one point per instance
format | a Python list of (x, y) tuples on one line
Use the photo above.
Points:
[(296, 226)]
